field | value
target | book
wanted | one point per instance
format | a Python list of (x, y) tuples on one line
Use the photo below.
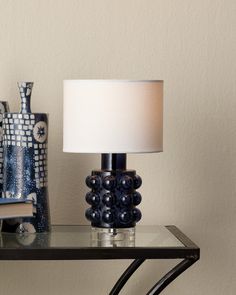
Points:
[(14, 208)]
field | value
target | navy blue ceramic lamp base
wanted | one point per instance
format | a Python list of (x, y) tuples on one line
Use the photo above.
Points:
[(113, 197)]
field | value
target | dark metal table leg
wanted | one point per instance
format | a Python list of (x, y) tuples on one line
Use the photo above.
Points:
[(171, 276), (125, 276)]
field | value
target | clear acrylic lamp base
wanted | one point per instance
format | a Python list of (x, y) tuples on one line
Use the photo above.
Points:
[(113, 236)]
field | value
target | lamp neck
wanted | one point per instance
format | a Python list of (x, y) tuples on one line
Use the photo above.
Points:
[(113, 161)]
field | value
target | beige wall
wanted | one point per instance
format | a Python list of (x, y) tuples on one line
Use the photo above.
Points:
[(192, 184)]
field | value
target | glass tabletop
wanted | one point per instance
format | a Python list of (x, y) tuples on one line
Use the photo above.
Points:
[(77, 243), (78, 236)]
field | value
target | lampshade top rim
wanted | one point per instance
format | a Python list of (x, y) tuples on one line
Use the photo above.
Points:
[(112, 152), (113, 80)]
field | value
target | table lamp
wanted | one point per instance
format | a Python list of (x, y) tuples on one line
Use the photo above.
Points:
[(113, 118)]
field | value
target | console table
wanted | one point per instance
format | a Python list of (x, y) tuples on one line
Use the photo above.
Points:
[(76, 243)]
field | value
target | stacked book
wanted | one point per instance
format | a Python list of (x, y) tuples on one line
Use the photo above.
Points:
[(15, 208)]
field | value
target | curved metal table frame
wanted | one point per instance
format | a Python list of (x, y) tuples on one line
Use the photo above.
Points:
[(41, 249), (171, 275)]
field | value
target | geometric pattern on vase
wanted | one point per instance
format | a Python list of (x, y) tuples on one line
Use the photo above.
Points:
[(113, 198), (4, 107), (25, 162), (19, 132)]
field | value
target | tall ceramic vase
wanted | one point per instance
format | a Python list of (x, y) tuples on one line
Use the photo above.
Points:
[(25, 163), (4, 107)]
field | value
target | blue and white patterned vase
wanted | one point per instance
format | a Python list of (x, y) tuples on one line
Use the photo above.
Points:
[(4, 108), (25, 163)]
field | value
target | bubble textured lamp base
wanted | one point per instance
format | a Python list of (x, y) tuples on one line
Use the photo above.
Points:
[(113, 197)]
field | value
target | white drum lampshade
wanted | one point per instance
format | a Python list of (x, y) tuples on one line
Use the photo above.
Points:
[(113, 116)]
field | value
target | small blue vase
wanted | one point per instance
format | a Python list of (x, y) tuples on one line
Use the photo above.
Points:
[(25, 163), (4, 107)]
